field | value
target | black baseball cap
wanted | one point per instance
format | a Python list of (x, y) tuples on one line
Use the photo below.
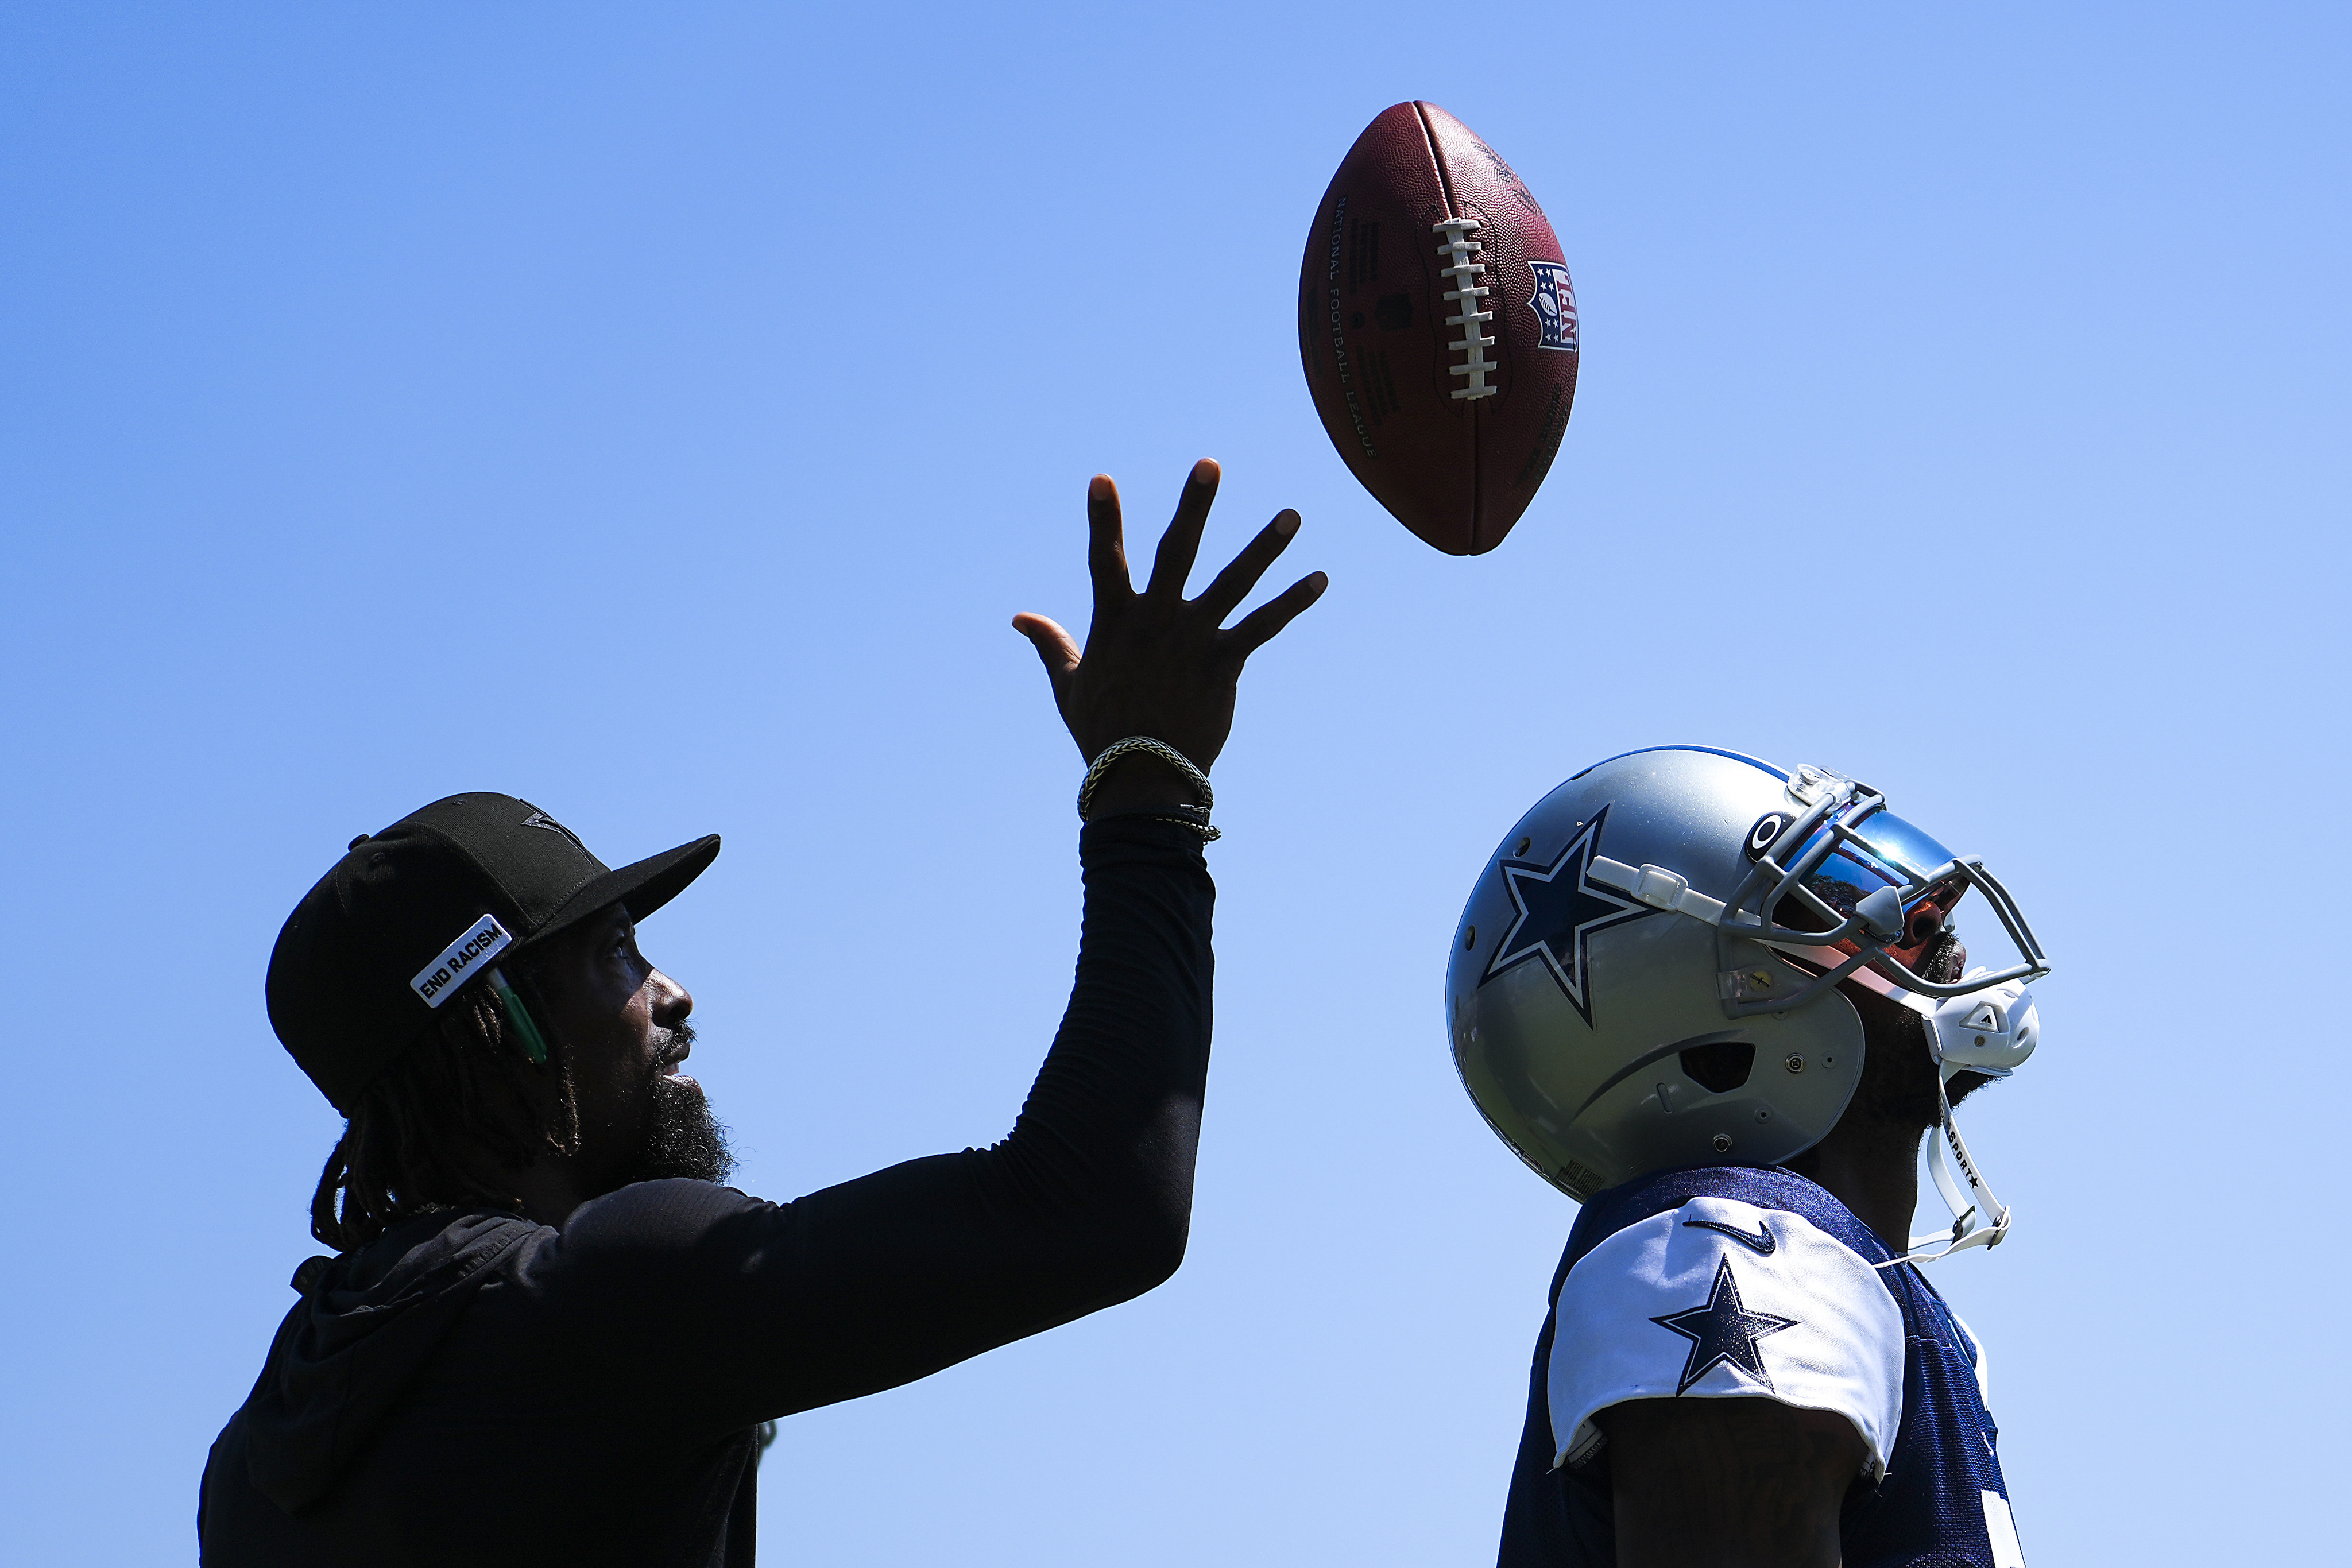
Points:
[(410, 916)]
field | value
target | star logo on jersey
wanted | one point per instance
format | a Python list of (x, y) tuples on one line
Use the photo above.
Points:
[(1724, 1332), (1560, 907)]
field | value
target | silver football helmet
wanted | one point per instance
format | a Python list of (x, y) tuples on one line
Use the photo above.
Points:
[(1625, 996)]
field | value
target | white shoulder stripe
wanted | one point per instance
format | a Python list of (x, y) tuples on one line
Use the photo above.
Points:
[(1720, 1299)]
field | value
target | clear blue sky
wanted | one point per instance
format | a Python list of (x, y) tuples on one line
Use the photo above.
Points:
[(724, 377)]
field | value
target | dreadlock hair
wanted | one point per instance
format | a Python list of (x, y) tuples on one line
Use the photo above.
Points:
[(438, 1127)]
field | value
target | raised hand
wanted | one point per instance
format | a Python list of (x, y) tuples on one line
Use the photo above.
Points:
[(1156, 663)]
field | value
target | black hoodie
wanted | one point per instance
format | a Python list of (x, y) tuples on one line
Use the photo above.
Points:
[(475, 1387)]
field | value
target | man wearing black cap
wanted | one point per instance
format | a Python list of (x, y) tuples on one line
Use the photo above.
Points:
[(548, 1334)]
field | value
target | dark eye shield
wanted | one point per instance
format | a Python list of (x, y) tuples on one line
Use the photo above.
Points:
[(1885, 887), (1880, 888)]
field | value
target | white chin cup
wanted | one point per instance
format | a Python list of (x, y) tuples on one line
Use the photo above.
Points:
[(1990, 1031)]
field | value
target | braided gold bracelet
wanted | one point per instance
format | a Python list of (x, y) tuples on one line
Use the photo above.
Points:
[(1193, 817)]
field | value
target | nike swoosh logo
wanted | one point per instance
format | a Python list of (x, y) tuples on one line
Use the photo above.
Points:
[(1763, 1242)]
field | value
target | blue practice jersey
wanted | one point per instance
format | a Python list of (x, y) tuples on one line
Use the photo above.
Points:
[(1730, 1282)]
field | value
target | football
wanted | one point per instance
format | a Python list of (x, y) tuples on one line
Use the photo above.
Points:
[(1438, 328)]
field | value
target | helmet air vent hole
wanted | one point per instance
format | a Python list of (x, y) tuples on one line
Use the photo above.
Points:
[(1718, 1067), (1525, 844), (1469, 938)]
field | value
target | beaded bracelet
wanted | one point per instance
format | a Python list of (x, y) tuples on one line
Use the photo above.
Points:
[(1193, 817)]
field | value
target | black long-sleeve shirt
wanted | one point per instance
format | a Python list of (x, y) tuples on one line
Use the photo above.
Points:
[(477, 1389)]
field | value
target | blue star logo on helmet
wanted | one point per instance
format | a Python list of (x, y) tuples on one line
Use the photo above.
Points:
[(1558, 908)]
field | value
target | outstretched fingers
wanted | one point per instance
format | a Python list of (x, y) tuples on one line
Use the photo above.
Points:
[(1182, 542), (1105, 542), (1258, 627), (1241, 574)]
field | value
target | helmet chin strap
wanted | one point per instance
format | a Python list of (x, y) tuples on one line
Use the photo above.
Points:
[(2011, 1030), (1968, 1229)]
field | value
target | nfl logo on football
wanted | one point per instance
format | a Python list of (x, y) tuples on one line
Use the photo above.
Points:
[(1555, 305)]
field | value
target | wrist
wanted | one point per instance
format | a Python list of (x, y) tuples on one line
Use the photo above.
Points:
[(1174, 789), (1140, 783)]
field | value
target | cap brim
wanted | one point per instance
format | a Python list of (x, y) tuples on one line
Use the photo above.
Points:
[(643, 886)]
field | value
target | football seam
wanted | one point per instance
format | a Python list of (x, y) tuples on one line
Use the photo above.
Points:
[(1437, 162), (1477, 425)]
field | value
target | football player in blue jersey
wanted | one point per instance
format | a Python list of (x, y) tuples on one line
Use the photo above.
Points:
[(1719, 1003)]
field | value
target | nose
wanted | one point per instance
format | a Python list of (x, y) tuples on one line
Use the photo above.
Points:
[(672, 1001)]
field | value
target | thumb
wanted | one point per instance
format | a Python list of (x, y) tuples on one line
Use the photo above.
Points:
[(1053, 644)]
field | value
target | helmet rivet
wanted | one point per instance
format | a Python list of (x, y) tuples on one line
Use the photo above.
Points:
[(1469, 938), (1763, 1112), (1979, 1040), (1524, 844), (1723, 1142), (1795, 1063)]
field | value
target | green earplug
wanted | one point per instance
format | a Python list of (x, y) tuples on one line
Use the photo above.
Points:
[(534, 1045)]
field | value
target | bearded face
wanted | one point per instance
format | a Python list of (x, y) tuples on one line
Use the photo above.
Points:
[(682, 1138)]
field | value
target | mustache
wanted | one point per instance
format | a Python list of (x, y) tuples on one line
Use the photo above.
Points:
[(1939, 962), (674, 1043)]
